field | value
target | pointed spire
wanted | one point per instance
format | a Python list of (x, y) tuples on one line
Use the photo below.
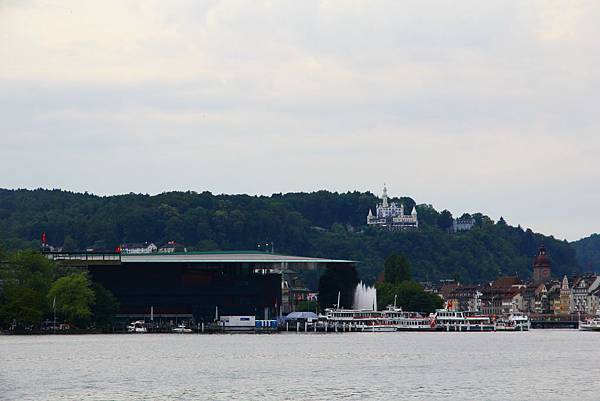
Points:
[(565, 283), (384, 197), (414, 212), (370, 213)]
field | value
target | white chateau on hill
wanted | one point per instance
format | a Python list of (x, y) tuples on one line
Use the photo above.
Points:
[(391, 216)]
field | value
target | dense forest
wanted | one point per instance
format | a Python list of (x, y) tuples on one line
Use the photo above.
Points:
[(588, 252), (313, 224)]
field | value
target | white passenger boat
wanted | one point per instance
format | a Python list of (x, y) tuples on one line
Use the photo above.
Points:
[(592, 324), (448, 320), (139, 326), (407, 321), (391, 319), (355, 319), (516, 321)]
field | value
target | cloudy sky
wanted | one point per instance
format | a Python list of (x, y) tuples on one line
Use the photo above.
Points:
[(468, 105)]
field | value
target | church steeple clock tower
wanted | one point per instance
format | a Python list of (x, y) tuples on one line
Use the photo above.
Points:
[(541, 267)]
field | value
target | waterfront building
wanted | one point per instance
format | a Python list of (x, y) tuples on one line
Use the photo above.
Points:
[(465, 223), (553, 296), (502, 296), (580, 290), (541, 267), (565, 296), (535, 298), (446, 288), (593, 304), (195, 286), (466, 298), (392, 216)]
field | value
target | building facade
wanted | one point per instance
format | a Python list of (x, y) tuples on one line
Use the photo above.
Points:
[(463, 224), (392, 216), (198, 286), (503, 296), (565, 297)]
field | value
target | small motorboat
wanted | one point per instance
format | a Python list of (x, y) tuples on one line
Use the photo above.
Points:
[(181, 329), (139, 326)]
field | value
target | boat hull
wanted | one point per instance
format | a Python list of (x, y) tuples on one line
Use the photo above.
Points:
[(586, 327)]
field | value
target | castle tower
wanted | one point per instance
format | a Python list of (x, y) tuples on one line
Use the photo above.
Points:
[(384, 198), (541, 267)]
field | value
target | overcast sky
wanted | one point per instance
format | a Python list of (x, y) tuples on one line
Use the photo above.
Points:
[(486, 106)]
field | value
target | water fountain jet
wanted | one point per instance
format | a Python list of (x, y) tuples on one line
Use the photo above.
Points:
[(365, 297)]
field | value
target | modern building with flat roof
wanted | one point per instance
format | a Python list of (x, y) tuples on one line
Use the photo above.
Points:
[(195, 284)]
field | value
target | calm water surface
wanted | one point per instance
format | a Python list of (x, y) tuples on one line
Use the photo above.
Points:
[(539, 365)]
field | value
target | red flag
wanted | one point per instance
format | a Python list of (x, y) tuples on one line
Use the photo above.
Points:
[(44, 238)]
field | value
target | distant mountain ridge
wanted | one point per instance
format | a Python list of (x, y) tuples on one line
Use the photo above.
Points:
[(319, 223)]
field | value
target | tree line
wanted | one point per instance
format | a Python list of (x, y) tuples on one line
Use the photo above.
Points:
[(322, 223)]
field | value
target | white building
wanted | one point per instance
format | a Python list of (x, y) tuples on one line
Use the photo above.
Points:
[(390, 215), (172, 247), (138, 248), (463, 224)]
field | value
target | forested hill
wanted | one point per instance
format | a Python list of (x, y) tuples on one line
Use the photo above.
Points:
[(588, 252), (313, 224)]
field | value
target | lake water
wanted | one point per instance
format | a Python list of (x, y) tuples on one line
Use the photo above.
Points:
[(538, 365)]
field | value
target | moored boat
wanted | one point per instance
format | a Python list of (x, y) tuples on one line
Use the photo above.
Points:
[(407, 321), (592, 324), (139, 326), (516, 321), (390, 319), (181, 329), (449, 320)]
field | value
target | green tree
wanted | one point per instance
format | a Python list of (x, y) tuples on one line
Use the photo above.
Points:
[(26, 278), (408, 295), (445, 220), (397, 269), (74, 298), (105, 307), (399, 289)]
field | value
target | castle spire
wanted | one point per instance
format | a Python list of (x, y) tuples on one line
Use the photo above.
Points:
[(384, 197)]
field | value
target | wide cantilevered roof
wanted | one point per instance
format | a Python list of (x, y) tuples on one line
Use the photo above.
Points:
[(223, 257)]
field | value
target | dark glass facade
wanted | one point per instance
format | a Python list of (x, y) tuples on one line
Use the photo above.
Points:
[(191, 288)]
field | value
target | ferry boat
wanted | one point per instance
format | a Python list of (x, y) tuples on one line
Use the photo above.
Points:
[(516, 321), (139, 326), (356, 319), (592, 324), (447, 320), (391, 319), (407, 321)]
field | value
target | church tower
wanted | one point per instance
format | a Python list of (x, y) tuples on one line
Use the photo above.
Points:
[(541, 267), (565, 296)]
